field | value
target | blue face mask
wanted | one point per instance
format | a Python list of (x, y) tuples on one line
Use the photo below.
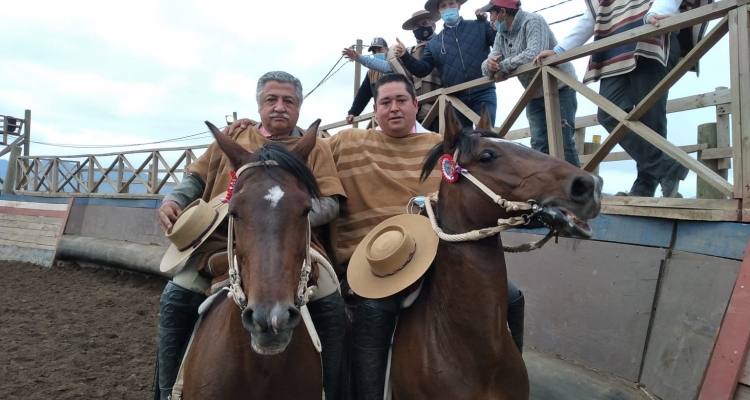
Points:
[(498, 25), (449, 16), (380, 56)]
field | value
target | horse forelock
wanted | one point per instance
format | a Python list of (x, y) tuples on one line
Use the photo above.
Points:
[(291, 163)]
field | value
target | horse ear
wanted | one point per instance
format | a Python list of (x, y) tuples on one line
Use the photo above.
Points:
[(485, 122), (305, 145), (452, 129), (234, 152)]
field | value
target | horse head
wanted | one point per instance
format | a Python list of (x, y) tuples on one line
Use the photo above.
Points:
[(565, 197), (270, 202)]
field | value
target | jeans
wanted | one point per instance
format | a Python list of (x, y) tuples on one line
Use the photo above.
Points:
[(538, 124), (475, 101), (627, 90)]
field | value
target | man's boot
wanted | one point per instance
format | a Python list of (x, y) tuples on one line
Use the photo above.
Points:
[(329, 318), (515, 321), (374, 322), (178, 312)]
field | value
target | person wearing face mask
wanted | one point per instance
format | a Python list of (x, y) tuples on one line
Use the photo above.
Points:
[(520, 37), (422, 25), (457, 52), (378, 48)]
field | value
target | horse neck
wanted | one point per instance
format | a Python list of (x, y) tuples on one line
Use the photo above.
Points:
[(470, 277)]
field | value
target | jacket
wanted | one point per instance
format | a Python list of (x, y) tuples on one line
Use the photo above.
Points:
[(457, 52)]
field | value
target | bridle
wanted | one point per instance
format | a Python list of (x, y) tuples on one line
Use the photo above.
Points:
[(235, 282), (451, 171)]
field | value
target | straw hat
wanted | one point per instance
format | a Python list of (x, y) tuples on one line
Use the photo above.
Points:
[(418, 16), (196, 222), (395, 254), (432, 5)]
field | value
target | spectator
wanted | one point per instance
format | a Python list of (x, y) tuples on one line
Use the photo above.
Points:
[(520, 37), (627, 74), (378, 48), (422, 24), (457, 52)]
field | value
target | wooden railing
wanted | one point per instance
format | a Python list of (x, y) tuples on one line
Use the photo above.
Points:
[(14, 132), (87, 174)]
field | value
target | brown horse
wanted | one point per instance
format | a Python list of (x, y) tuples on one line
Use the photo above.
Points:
[(259, 350), (453, 342)]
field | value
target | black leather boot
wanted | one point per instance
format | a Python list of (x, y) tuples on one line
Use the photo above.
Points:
[(515, 321), (178, 312), (374, 322), (329, 318)]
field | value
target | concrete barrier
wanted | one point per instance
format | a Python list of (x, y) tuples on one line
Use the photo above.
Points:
[(131, 256)]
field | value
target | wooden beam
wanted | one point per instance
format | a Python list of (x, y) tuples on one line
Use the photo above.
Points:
[(528, 94), (431, 115), (673, 203), (731, 346), (463, 109), (659, 212), (645, 132), (622, 156), (718, 153), (739, 58), (552, 113), (441, 112)]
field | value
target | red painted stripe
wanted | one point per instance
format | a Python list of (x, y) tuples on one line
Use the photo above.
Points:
[(62, 228), (731, 346), (32, 212)]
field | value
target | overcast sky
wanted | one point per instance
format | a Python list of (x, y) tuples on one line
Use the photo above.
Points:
[(98, 73)]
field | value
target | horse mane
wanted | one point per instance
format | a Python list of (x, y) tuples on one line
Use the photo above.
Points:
[(289, 162), (467, 141)]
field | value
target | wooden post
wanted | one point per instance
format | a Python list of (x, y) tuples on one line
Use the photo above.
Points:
[(554, 120), (55, 174), (153, 176), (739, 64), (91, 180), (26, 141), (10, 173), (707, 135), (580, 137), (357, 74)]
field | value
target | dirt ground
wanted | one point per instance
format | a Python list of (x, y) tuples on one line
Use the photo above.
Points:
[(74, 332)]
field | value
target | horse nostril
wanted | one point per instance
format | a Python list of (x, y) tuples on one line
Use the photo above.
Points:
[(254, 321), (582, 188)]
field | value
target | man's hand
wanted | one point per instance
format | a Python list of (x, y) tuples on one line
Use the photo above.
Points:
[(481, 16), (240, 123), (349, 118), (498, 77), (350, 54), (167, 214), (655, 18), (399, 50), (546, 53), (493, 63)]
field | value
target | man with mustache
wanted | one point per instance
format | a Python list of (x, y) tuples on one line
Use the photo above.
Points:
[(279, 97)]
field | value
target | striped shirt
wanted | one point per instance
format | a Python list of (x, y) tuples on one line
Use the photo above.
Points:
[(379, 175)]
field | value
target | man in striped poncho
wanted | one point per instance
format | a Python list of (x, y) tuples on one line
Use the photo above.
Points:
[(627, 74)]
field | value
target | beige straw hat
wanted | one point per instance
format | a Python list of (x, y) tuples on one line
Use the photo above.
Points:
[(395, 254), (196, 222)]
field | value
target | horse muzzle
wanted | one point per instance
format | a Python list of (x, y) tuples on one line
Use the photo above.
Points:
[(270, 327)]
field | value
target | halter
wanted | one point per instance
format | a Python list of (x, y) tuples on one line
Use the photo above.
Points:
[(235, 282), (451, 171)]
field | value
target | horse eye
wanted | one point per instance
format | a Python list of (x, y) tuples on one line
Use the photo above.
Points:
[(486, 157)]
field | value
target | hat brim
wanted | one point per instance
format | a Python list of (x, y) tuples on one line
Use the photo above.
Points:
[(375, 47), (409, 24), (486, 8), (432, 5), (360, 276), (174, 257)]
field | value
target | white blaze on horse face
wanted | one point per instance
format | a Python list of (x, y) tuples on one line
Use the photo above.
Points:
[(499, 140), (274, 195)]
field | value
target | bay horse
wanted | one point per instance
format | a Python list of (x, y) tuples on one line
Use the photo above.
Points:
[(259, 350), (453, 342)]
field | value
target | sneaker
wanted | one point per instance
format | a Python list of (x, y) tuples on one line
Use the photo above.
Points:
[(671, 183), (633, 194)]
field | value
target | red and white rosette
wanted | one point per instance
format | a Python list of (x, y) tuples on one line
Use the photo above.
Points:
[(449, 168)]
